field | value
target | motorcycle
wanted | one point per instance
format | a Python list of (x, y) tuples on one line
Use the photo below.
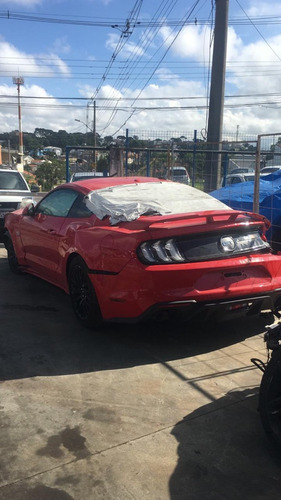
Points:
[(270, 387)]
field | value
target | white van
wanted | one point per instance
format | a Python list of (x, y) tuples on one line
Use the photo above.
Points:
[(180, 174)]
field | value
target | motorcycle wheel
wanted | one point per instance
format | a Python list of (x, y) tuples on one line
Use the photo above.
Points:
[(270, 400)]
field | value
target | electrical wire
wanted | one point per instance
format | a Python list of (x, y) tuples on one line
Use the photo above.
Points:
[(261, 35), (191, 10), (118, 24), (164, 9)]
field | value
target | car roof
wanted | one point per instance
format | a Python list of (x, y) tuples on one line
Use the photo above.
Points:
[(87, 174), (272, 167), (9, 170), (245, 174), (94, 183)]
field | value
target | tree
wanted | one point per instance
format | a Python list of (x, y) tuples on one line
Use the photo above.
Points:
[(30, 178), (50, 173)]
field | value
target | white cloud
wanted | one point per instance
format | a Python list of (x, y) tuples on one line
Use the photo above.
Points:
[(61, 45), (14, 61), (47, 113), (128, 49), (192, 42), (191, 45), (35, 113), (258, 68), (259, 9)]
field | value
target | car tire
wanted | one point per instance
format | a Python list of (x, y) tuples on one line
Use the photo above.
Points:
[(12, 258), (270, 400), (82, 294)]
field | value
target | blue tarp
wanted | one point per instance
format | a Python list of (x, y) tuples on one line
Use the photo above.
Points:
[(240, 197)]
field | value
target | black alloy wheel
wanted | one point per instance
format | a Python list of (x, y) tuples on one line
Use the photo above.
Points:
[(12, 258), (83, 297), (270, 400)]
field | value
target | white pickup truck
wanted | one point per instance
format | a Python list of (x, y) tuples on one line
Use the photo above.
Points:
[(14, 193)]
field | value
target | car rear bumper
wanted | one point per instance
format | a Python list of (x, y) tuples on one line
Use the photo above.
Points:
[(219, 310), (219, 288)]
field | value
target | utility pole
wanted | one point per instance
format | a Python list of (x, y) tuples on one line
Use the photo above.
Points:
[(94, 132), (216, 104), (19, 81)]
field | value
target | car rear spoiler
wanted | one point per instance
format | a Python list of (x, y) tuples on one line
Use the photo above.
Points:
[(218, 217)]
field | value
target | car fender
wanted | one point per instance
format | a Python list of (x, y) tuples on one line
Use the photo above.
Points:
[(11, 225), (103, 250)]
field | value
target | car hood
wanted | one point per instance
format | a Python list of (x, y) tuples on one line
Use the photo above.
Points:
[(14, 192)]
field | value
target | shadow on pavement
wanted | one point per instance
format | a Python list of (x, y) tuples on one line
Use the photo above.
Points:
[(223, 453), (40, 336)]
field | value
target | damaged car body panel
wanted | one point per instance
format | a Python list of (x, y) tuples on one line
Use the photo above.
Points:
[(132, 248)]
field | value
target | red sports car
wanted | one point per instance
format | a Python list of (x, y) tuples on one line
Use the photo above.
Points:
[(132, 248)]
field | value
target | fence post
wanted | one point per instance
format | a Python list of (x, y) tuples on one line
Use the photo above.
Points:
[(67, 149), (225, 162), (194, 157), (148, 163), (126, 151), (256, 198)]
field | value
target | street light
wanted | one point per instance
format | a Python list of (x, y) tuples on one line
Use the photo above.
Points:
[(83, 123)]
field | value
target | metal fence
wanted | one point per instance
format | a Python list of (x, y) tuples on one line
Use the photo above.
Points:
[(210, 166)]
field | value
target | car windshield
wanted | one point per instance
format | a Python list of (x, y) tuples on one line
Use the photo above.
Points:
[(128, 202), (179, 172), (13, 181), (269, 170)]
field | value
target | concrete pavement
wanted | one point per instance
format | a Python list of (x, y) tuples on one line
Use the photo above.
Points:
[(166, 412)]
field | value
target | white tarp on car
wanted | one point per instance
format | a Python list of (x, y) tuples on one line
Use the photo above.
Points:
[(130, 201)]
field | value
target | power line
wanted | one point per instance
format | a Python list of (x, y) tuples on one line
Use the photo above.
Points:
[(118, 24), (190, 12), (162, 12), (151, 98), (261, 35), (140, 108), (125, 34)]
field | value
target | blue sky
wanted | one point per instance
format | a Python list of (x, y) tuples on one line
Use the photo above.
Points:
[(154, 76)]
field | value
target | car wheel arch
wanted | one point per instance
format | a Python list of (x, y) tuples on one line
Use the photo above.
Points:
[(82, 293), (71, 257)]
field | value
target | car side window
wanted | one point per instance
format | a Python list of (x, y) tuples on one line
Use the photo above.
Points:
[(79, 209), (58, 203), (235, 180)]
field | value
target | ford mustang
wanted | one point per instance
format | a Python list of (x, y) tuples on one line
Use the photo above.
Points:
[(137, 247)]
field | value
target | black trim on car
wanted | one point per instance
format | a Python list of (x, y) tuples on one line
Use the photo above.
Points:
[(186, 310), (98, 271)]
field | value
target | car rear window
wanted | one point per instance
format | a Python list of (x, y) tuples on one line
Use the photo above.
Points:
[(130, 201), (179, 172), (13, 181)]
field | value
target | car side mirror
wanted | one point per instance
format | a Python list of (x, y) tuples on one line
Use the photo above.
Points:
[(29, 210), (34, 188)]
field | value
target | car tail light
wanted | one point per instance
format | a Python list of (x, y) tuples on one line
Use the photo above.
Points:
[(201, 247), (160, 251), (243, 243)]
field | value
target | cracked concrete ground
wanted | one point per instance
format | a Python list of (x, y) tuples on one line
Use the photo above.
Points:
[(147, 412)]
